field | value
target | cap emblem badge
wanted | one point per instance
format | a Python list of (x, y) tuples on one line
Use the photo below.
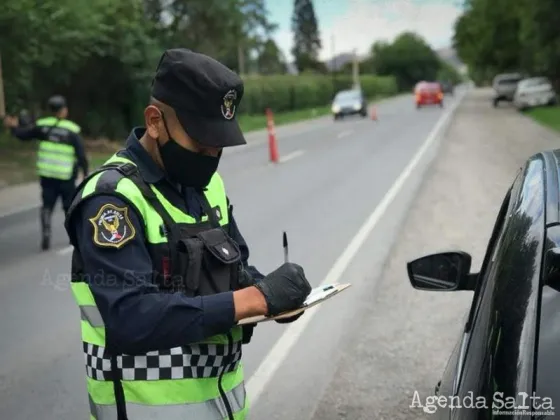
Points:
[(228, 108)]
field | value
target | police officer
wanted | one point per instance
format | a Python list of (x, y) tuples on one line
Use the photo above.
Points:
[(61, 153), (160, 270)]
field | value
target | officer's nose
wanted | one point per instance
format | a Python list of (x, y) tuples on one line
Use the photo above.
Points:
[(210, 151)]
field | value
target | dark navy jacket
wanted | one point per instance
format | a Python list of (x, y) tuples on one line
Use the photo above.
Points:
[(136, 316)]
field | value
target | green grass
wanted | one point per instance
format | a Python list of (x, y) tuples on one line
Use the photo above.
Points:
[(259, 122), (548, 116)]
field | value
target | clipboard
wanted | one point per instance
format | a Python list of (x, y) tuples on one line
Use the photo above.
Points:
[(317, 295)]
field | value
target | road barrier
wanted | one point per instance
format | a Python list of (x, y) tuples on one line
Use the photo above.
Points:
[(272, 145)]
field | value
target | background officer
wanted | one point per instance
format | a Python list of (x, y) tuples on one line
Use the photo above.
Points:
[(160, 270), (61, 153)]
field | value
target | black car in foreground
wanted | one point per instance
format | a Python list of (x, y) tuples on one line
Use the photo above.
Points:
[(507, 361)]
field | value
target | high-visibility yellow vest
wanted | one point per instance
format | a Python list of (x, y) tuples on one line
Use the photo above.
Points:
[(201, 381), (56, 156)]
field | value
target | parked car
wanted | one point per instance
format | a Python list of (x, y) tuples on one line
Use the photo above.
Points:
[(428, 93), (509, 346), (533, 92), (349, 102), (504, 86)]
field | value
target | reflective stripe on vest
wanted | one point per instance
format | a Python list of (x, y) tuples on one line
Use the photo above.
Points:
[(56, 160), (178, 383), (206, 410)]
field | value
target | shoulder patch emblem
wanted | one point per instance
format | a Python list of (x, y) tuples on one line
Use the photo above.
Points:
[(112, 227)]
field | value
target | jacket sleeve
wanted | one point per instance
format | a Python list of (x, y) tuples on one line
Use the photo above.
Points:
[(27, 133), (235, 234), (80, 152), (137, 317)]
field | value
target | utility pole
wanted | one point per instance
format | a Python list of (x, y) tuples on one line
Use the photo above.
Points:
[(355, 70), (333, 66), (2, 98), (240, 59)]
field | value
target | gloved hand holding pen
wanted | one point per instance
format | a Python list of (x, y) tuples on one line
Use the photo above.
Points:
[(285, 289)]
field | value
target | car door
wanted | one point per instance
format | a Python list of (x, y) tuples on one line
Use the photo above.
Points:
[(499, 358), (453, 377)]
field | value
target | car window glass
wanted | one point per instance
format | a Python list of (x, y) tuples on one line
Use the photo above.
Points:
[(347, 95), (534, 82), (493, 246), (508, 81)]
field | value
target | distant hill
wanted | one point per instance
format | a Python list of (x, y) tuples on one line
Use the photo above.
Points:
[(450, 55), (340, 60)]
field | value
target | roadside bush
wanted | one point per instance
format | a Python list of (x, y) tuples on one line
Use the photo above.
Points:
[(290, 93)]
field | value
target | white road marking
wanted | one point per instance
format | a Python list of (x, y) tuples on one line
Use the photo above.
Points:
[(290, 156), (344, 134), (276, 356), (65, 251)]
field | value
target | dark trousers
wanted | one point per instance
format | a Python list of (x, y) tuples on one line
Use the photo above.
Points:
[(51, 190)]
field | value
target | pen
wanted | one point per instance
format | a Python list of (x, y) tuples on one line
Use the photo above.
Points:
[(285, 245)]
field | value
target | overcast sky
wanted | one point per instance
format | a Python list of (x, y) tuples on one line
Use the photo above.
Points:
[(359, 23)]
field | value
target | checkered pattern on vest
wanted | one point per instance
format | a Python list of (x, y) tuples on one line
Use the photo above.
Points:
[(195, 361)]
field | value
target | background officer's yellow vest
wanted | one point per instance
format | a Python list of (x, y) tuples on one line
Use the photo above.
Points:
[(181, 383), (56, 156)]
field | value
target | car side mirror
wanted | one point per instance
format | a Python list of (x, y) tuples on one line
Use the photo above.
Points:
[(446, 271)]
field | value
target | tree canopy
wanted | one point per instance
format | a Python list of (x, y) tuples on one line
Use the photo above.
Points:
[(494, 36), (410, 59), (307, 40), (101, 54)]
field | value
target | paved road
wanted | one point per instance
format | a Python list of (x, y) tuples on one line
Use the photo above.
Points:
[(333, 176), (405, 337)]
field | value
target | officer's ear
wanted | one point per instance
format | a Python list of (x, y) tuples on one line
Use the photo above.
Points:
[(153, 120)]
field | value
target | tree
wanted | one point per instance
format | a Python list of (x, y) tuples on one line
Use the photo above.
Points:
[(409, 58), (494, 36), (270, 60), (307, 41), (449, 73), (101, 54)]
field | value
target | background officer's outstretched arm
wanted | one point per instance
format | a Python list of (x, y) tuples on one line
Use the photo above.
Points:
[(27, 133), (118, 269)]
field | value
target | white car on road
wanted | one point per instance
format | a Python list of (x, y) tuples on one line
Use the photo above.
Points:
[(534, 91)]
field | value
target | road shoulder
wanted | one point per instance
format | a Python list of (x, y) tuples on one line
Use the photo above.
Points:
[(405, 337)]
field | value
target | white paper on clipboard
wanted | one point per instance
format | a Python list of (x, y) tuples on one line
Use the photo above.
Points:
[(317, 295)]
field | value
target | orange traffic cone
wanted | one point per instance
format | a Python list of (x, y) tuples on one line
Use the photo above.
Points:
[(373, 113)]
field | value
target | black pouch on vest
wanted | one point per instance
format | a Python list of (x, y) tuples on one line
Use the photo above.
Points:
[(209, 262)]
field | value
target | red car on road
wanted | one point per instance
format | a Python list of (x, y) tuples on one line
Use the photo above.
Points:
[(428, 93)]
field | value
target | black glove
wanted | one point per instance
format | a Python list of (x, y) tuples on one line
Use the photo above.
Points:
[(286, 288), (290, 319)]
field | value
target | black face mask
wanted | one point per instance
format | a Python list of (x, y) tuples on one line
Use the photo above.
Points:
[(190, 169)]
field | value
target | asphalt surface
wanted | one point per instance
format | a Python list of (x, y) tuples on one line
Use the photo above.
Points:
[(332, 177)]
